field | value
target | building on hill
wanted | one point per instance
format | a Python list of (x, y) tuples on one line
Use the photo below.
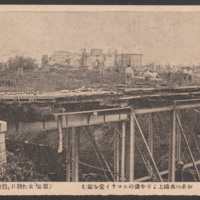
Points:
[(96, 52), (3, 66), (95, 59), (109, 60), (134, 60), (60, 57), (76, 60)]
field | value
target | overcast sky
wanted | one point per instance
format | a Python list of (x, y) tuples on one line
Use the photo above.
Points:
[(167, 37)]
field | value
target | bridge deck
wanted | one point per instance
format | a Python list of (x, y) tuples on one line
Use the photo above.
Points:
[(122, 94)]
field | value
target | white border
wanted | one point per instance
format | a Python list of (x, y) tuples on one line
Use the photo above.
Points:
[(99, 8)]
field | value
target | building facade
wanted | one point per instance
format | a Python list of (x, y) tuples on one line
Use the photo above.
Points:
[(134, 60), (75, 60), (60, 57), (109, 60), (95, 59)]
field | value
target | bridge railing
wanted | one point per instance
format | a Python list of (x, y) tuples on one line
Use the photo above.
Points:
[(27, 85)]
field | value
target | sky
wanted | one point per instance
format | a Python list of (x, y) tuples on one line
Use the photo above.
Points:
[(162, 37)]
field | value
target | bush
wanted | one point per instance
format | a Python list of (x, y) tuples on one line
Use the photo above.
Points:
[(20, 169)]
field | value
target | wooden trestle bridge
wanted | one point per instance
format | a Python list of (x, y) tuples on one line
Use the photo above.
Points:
[(138, 116), (132, 137)]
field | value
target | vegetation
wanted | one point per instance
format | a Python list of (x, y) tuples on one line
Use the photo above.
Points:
[(45, 60), (22, 62), (19, 168)]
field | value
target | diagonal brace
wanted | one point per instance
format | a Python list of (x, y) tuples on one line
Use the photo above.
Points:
[(188, 147), (152, 161)]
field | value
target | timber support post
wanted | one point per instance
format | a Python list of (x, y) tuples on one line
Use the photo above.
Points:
[(132, 147), (123, 137), (60, 134), (116, 155), (178, 140), (150, 138), (68, 156), (43, 123), (75, 155), (172, 149)]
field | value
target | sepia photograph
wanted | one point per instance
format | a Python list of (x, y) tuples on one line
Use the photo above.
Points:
[(107, 95)]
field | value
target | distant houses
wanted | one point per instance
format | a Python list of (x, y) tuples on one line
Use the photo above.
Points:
[(3, 66), (134, 60), (60, 57), (96, 58)]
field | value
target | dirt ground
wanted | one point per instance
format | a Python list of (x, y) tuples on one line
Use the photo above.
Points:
[(109, 79)]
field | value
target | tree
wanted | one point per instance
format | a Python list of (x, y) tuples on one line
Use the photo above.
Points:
[(45, 60), (22, 62)]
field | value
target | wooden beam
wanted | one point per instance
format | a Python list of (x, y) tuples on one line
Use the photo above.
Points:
[(95, 111), (75, 119), (186, 100), (146, 178), (92, 119), (158, 95), (167, 108), (60, 134), (132, 147), (126, 110)]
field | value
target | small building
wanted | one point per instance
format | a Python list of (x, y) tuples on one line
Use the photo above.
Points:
[(94, 59), (134, 60), (60, 57), (75, 60), (96, 52), (109, 60), (3, 66)]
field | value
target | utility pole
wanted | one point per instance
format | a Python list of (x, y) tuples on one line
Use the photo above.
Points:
[(83, 57)]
